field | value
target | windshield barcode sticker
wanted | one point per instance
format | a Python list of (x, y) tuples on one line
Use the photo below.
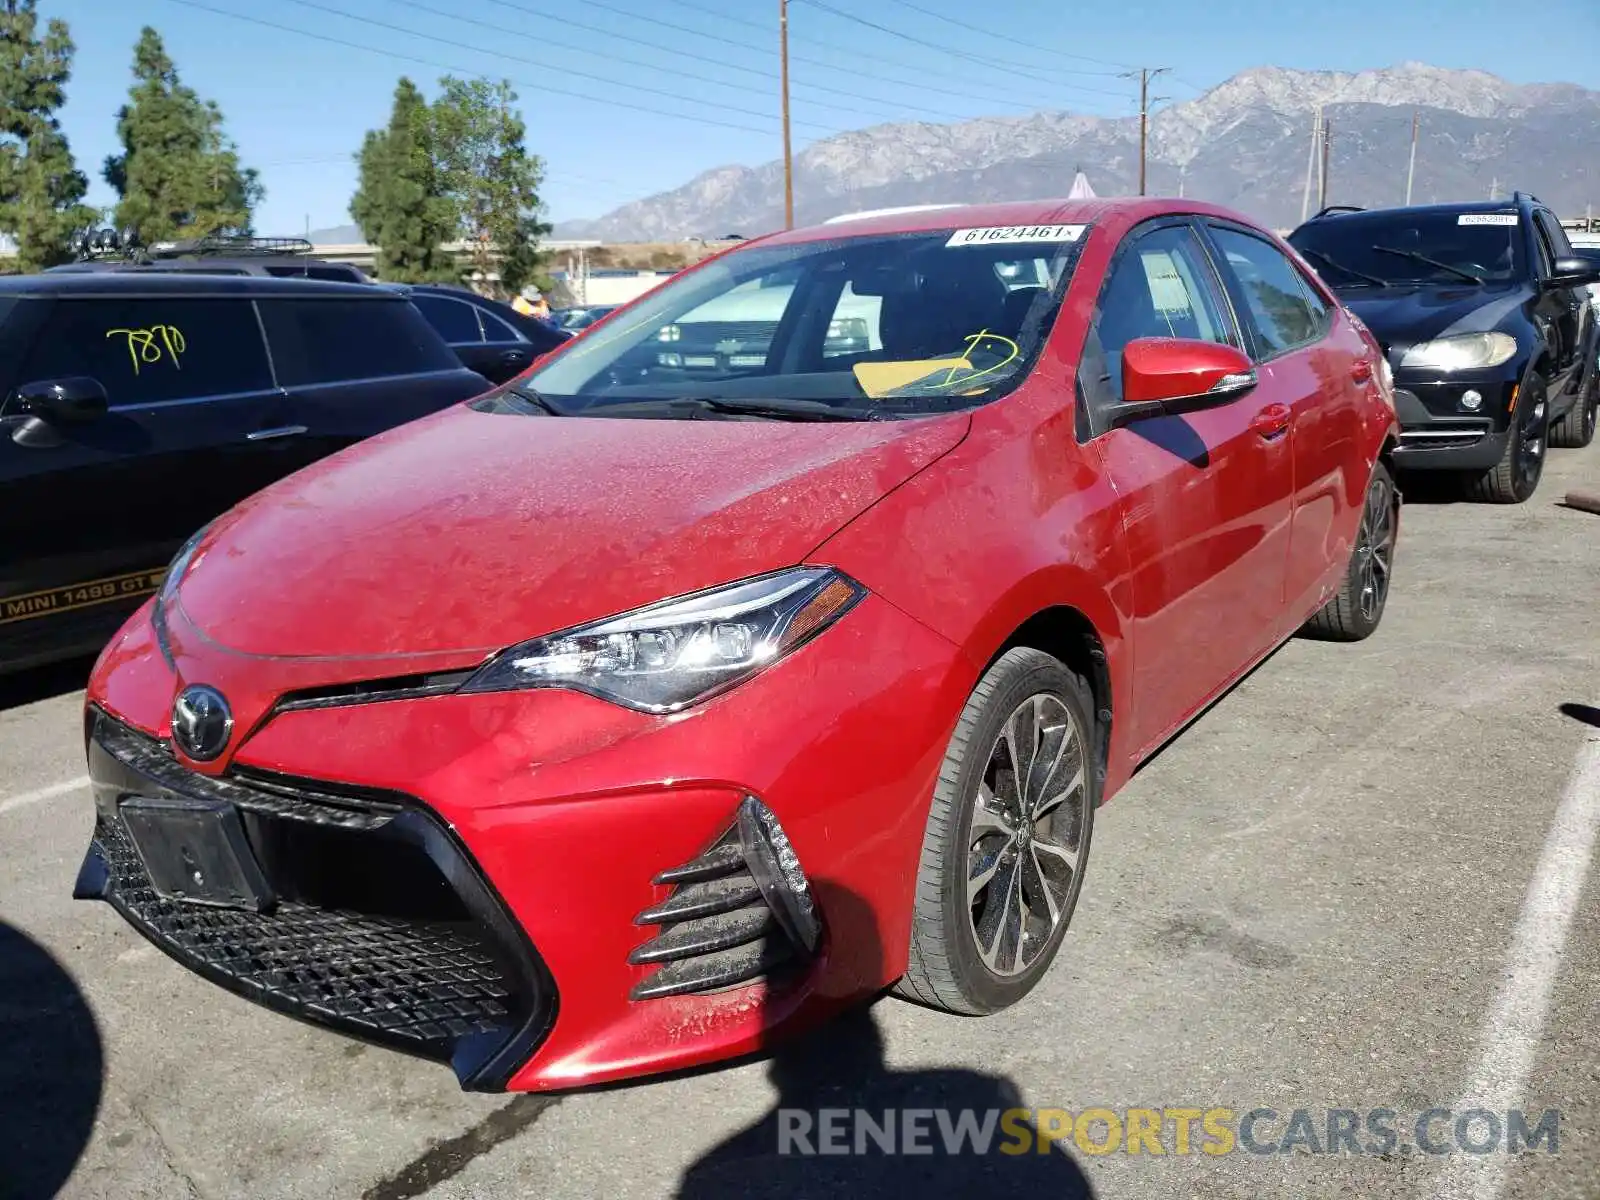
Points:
[(1487, 219), (1016, 233)]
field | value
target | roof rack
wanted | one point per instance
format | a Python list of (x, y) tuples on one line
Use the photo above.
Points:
[(232, 245), (1528, 196), (1339, 208)]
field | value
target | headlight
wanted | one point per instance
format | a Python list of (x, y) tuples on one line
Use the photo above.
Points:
[(670, 655), (1465, 352)]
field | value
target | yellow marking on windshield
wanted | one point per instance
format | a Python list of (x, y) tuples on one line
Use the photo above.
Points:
[(880, 378), (159, 343)]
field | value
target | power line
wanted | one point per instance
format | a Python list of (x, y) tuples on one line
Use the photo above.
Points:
[(968, 27), (876, 62), (464, 71), (705, 58), (980, 59), (533, 62)]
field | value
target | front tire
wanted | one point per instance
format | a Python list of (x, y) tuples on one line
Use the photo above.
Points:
[(1516, 476), (1576, 430), (1357, 607), (1007, 838)]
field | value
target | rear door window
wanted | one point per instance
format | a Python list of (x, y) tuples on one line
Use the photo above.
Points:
[(455, 321), (338, 341), (148, 351)]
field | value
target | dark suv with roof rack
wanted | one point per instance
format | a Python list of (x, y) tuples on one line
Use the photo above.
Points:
[(286, 258), (134, 408), (1483, 314)]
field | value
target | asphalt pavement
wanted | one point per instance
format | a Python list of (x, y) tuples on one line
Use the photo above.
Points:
[(1363, 881)]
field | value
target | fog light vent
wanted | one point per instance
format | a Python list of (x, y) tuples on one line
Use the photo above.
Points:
[(740, 911)]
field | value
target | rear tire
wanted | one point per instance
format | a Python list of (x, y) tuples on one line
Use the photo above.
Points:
[(1002, 864), (1576, 430), (1516, 476), (1357, 607)]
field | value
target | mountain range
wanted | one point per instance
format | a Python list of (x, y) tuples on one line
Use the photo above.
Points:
[(1245, 143)]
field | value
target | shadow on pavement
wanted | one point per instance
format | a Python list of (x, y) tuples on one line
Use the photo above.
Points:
[(51, 1068), (1586, 713), (44, 683), (842, 1066), (1432, 487)]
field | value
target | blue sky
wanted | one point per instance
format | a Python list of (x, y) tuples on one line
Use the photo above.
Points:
[(628, 97)]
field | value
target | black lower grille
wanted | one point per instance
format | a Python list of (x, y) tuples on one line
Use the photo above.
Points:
[(382, 929), (425, 983), (717, 930)]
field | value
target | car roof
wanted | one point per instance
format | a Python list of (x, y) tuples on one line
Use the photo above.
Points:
[(79, 284), (1427, 210), (1129, 209), (200, 262)]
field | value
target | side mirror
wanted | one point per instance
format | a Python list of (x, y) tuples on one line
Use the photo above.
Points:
[(1576, 270), (71, 401), (1167, 376)]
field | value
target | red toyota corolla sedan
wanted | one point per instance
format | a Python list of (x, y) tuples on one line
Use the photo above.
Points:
[(725, 669)]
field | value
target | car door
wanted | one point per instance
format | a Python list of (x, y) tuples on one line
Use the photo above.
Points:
[(1567, 309), (1320, 374), (352, 366), (91, 511), (456, 321), (1205, 497), (516, 341)]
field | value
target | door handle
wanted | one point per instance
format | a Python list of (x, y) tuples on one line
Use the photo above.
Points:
[(1272, 421), (512, 357), (282, 431), (1361, 370)]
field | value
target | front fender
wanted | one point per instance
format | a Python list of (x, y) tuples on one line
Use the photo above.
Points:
[(1016, 521)]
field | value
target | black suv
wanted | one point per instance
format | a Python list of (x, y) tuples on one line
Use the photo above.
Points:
[(134, 408), (492, 338), (280, 258), (1483, 312)]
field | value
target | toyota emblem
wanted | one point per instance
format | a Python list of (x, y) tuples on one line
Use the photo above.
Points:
[(201, 722)]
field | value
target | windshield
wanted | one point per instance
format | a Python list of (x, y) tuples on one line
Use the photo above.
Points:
[(1360, 250), (863, 325)]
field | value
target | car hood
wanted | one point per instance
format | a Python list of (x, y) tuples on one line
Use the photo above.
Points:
[(1402, 315), (471, 531)]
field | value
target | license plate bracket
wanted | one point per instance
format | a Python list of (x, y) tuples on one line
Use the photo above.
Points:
[(196, 852)]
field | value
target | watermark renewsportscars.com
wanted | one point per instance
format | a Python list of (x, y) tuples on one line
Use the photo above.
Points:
[(1165, 1131)]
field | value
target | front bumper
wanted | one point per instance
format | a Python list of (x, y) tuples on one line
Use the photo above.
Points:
[(385, 929), (601, 836), (1437, 432)]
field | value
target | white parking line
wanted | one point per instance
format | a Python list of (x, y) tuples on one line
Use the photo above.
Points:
[(1509, 1041), (44, 793)]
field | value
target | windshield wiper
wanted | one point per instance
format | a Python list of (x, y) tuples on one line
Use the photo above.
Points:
[(537, 399), (1339, 266), (1432, 262), (772, 409)]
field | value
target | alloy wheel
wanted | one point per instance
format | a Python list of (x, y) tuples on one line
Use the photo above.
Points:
[(1375, 551), (1025, 835), (1530, 455)]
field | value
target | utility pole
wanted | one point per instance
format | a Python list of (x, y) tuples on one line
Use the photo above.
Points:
[(1311, 165), (1411, 171), (1494, 188), (1146, 74), (788, 153), (1327, 138)]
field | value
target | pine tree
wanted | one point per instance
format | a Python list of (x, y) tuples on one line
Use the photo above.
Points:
[(178, 174), (492, 178), (400, 203), (41, 189)]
